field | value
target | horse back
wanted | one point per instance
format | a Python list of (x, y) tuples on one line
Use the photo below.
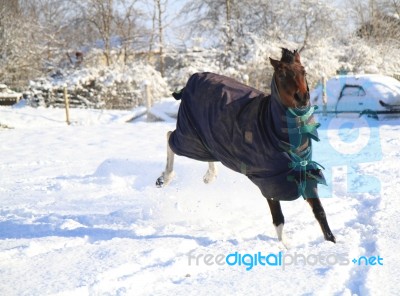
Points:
[(208, 86)]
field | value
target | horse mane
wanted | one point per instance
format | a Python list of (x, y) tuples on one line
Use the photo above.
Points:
[(288, 56)]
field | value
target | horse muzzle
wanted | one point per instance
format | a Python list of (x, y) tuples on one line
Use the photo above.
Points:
[(302, 98)]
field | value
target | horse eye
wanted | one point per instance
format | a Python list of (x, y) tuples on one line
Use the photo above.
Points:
[(282, 75)]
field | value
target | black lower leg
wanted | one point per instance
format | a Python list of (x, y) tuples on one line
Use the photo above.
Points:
[(320, 215), (276, 212)]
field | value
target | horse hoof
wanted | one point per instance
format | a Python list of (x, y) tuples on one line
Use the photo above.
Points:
[(165, 179), (160, 182), (209, 177), (331, 238)]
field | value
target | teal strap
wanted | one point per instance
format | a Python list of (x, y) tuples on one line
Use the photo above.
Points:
[(302, 163), (309, 128), (305, 129), (306, 115), (301, 121), (305, 163)]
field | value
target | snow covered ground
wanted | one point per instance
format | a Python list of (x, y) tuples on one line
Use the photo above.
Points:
[(80, 215)]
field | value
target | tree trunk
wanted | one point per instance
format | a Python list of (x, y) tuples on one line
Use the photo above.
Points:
[(161, 38), (228, 11)]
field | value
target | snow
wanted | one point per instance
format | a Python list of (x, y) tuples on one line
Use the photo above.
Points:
[(94, 86), (80, 213)]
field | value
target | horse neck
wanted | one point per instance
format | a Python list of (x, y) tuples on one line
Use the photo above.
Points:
[(282, 119)]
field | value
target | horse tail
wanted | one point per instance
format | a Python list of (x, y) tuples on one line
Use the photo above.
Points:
[(178, 94)]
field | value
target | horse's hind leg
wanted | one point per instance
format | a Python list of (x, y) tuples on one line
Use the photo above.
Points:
[(277, 217), (167, 176), (211, 173)]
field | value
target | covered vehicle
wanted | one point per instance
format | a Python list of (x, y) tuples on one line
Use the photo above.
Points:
[(363, 94)]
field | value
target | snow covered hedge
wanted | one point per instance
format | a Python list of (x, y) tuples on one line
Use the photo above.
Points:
[(121, 87), (118, 87)]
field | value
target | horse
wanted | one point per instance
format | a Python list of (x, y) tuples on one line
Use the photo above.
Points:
[(265, 137)]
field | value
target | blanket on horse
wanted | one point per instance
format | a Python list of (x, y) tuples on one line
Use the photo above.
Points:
[(221, 119)]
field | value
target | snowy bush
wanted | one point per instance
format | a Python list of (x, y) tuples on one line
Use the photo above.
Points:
[(117, 87), (122, 86)]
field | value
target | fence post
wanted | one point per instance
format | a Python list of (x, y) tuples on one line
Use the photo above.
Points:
[(148, 98), (66, 101), (324, 97)]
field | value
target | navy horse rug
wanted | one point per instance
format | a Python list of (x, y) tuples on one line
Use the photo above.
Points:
[(221, 119)]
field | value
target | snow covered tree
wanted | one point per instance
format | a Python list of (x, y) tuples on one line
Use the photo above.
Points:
[(312, 20), (378, 21), (115, 23), (56, 23), (127, 27), (160, 7), (20, 54), (230, 23), (100, 14), (217, 19)]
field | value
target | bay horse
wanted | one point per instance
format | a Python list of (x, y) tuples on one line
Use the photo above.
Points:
[(266, 138)]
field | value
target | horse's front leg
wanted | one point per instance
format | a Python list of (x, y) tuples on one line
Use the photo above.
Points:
[(320, 215), (319, 212), (277, 217), (168, 174), (211, 173)]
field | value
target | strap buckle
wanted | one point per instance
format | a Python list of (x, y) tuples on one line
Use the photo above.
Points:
[(303, 163)]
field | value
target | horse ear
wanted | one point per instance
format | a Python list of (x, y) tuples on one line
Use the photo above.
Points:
[(275, 63), (297, 57)]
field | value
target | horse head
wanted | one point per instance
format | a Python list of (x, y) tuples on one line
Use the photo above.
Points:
[(290, 78)]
